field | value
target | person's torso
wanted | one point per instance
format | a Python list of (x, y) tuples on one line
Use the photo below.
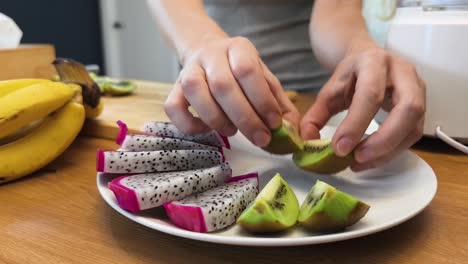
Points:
[(279, 30)]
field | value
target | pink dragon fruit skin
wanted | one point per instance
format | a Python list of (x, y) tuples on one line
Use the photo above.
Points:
[(166, 129), (144, 142), (143, 191), (156, 161), (216, 208)]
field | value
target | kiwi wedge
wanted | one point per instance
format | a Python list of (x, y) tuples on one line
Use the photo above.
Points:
[(327, 209), (285, 139), (318, 156), (275, 208)]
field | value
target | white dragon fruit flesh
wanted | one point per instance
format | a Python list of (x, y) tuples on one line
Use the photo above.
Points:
[(156, 161), (144, 191), (216, 208), (142, 142), (166, 129)]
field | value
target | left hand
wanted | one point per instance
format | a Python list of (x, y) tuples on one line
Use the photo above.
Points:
[(364, 82)]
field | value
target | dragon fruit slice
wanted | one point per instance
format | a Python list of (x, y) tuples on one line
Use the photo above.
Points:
[(156, 161), (143, 191), (166, 129), (216, 208), (139, 142)]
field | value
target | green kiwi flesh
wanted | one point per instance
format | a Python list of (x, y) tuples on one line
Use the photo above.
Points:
[(318, 156), (107, 85), (275, 209), (285, 139), (121, 88), (326, 209)]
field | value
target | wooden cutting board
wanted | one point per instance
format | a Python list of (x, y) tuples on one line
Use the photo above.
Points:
[(145, 104)]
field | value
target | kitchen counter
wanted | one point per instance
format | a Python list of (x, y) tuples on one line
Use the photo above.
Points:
[(58, 216)]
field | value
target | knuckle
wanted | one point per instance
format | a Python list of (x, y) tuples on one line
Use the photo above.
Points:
[(240, 41), (415, 108), (190, 83), (219, 86), (171, 108), (375, 96), (243, 69), (379, 56)]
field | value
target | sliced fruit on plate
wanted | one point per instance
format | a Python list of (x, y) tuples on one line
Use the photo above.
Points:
[(275, 208), (327, 209), (142, 142), (166, 129), (216, 208), (156, 161), (143, 191)]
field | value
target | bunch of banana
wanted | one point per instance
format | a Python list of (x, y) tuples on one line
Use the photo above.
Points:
[(39, 118)]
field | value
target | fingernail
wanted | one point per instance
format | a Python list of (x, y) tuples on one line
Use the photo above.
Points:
[(261, 138), (274, 120), (364, 155), (345, 146)]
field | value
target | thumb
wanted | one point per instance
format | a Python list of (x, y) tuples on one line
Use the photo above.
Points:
[(328, 103)]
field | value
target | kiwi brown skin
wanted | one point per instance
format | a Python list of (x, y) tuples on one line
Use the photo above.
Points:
[(284, 140), (321, 222)]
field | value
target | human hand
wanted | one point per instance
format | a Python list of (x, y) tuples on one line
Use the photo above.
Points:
[(230, 88), (364, 82)]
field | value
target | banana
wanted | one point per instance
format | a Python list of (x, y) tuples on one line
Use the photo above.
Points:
[(71, 71), (43, 144), (94, 112), (23, 106), (9, 86)]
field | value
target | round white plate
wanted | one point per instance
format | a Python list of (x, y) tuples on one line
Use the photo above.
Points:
[(395, 192)]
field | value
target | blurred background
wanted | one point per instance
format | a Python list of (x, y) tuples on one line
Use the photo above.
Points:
[(117, 35)]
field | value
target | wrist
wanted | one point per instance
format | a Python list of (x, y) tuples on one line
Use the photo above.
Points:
[(360, 44), (199, 41)]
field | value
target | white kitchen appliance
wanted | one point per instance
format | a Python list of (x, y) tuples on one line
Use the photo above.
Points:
[(433, 34)]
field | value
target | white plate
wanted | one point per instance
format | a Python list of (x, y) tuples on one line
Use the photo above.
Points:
[(395, 192)]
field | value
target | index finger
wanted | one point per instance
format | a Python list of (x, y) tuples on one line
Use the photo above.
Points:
[(366, 101), (331, 100), (402, 119)]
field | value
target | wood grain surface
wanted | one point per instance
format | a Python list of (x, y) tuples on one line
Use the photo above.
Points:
[(144, 105), (57, 216), (27, 61)]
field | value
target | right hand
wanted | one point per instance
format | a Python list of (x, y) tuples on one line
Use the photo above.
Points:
[(230, 88)]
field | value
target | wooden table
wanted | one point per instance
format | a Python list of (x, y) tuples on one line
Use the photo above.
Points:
[(57, 216)]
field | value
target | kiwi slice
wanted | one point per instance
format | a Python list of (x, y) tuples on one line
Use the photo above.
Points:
[(318, 156), (285, 139), (106, 85), (121, 88), (327, 209), (275, 208)]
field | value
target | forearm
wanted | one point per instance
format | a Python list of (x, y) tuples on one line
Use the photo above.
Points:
[(337, 27), (185, 24)]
